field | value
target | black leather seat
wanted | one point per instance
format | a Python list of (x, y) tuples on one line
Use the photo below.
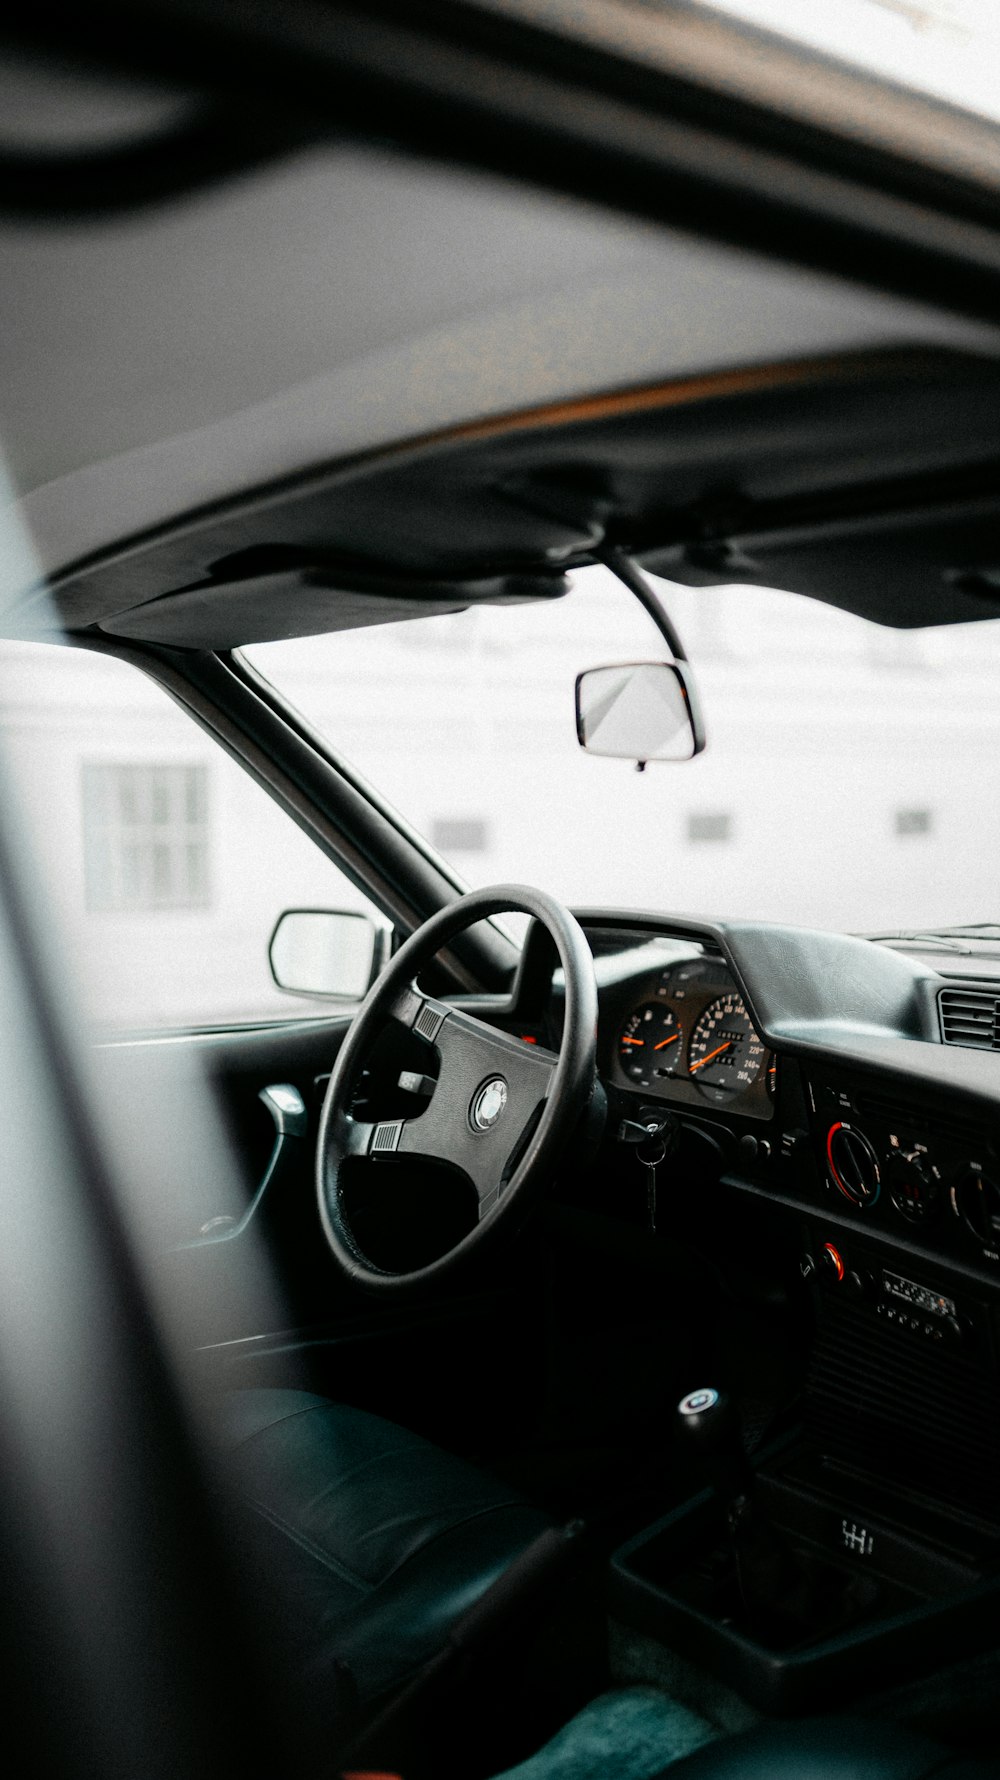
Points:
[(828, 1749), (380, 1541)]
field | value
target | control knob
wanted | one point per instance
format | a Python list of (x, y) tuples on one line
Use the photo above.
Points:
[(914, 1185), (853, 1165), (976, 1198)]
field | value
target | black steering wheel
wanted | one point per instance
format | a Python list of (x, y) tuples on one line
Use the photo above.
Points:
[(501, 1110)]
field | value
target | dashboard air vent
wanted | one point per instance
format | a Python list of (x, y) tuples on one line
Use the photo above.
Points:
[(971, 1017)]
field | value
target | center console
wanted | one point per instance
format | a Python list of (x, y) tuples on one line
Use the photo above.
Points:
[(866, 1545)]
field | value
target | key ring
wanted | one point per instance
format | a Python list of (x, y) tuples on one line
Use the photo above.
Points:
[(654, 1160)]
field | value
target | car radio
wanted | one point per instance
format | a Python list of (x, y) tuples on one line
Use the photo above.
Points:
[(902, 1381)]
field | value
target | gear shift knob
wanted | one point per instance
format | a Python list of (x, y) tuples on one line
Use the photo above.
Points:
[(710, 1428)]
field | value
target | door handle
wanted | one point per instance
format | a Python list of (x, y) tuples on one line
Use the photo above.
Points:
[(291, 1122)]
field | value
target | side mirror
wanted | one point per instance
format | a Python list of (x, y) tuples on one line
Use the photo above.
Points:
[(639, 710), (333, 953)]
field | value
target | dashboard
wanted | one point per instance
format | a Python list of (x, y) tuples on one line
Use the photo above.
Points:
[(826, 1143), (812, 1067)]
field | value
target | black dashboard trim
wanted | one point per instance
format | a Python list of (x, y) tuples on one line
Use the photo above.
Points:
[(833, 998)]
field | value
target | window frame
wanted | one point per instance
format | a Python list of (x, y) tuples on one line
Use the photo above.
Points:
[(388, 862)]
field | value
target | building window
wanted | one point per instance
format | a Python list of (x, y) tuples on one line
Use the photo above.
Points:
[(709, 825), (913, 822), (145, 833), (459, 834)]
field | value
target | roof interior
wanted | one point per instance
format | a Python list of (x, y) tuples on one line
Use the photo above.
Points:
[(234, 352)]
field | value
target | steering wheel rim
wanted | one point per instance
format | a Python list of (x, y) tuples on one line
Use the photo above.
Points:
[(469, 1049)]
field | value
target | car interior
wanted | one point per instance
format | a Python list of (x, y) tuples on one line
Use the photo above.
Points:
[(596, 1369)]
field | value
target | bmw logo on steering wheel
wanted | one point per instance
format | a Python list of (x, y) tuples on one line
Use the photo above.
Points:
[(488, 1103)]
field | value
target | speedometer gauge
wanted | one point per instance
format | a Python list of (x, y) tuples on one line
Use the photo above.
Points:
[(725, 1055), (648, 1044)]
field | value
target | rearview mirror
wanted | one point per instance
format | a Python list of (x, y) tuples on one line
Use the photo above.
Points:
[(329, 952), (639, 710)]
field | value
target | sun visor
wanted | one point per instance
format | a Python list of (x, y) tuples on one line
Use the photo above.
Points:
[(870, 480), (308, 601), (904, 569)]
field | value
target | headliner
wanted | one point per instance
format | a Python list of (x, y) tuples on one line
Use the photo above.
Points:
[(345, 300)]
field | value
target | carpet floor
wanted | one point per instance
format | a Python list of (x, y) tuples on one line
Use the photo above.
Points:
[(631, 1734)]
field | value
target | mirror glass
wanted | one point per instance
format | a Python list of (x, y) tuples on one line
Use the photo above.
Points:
[(637, 711), (324, 952)]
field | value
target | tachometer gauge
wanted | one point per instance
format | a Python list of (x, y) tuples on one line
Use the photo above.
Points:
[(725, 1054), (649, 1043)]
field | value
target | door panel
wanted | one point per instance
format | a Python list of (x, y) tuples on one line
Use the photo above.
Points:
[(265, 1305), (197, 1212)]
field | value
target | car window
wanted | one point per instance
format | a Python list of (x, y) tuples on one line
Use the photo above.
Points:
[(851, 777), (168, 864)]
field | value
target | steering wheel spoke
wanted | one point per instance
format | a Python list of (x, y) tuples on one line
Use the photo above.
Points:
[(353, 1137), (491, 1088), (482, 1163), (421, 1013), (469, 1047)]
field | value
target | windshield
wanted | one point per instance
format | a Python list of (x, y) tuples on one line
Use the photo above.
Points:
[(946, 48), (850, 780)]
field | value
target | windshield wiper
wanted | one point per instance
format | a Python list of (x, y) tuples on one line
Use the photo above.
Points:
[(974, 930), (944, 939), (936, 942)]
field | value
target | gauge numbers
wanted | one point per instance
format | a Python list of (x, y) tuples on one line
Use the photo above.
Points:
[(725, 1055), (649, 1043)]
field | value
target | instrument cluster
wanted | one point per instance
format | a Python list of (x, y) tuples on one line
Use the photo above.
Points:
[(684, 1035)]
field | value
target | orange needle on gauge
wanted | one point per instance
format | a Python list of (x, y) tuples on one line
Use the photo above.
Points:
[(633, 1041), (716, 1053), (664, 1042)]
